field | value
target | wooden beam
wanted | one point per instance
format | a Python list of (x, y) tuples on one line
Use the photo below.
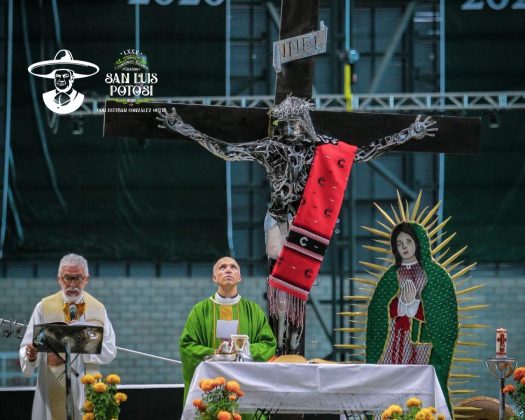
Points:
[(236, 125)]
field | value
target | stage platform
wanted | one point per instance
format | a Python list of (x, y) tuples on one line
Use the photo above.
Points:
[(145, 402)]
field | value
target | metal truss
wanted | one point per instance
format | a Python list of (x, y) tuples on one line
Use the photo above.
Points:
[(393, 102)]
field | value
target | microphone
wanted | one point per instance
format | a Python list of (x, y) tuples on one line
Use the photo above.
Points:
[(72, 312)]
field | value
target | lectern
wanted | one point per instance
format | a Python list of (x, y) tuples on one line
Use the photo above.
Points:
[(80, 338)]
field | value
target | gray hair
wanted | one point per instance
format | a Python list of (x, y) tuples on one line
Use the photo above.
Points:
[(73, 259)]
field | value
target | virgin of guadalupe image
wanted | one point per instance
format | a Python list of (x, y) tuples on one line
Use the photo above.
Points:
[(414, 308), (412, 314)]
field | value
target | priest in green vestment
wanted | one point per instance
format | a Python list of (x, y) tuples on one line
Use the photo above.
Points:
[(226, 310)]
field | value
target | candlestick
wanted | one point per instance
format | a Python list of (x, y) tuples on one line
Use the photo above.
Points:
[(501, 368)]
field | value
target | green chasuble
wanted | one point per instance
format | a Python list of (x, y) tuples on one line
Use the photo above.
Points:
[(198, 337)]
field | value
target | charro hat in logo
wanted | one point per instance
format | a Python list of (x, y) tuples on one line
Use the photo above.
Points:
[(63, 60)]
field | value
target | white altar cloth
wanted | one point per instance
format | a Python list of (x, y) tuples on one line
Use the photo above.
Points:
[(322, 388)]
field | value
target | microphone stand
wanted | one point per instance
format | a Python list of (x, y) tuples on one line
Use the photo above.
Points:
[(41, 339), (69, 395)]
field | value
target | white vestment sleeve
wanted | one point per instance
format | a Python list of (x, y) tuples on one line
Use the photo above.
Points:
[(29, 367)]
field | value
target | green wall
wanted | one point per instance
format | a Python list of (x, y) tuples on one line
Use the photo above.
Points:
[(485, 193)]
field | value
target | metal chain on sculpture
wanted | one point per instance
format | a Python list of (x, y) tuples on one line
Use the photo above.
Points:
[(417, 131)]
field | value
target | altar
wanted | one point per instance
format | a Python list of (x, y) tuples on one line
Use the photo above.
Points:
[(322, 388)]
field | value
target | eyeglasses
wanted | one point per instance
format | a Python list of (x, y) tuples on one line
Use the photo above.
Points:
[(73, 279)]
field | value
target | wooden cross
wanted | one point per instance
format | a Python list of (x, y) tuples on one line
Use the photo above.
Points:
[(241, 125)]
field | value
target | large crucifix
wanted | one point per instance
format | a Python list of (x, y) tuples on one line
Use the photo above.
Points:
[(289, 151)]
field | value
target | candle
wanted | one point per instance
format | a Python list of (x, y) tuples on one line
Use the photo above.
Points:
[(501, 342)]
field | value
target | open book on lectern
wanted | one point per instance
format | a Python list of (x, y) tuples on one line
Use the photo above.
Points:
[(84, 338)]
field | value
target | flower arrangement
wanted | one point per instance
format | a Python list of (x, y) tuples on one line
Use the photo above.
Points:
[(517, 392), (220, 399), (414, 411), (102, 398)]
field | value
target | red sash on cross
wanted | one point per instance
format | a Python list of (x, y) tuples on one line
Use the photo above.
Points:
[(300, 259)]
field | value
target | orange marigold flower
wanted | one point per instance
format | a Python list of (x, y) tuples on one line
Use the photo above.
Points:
[(120, 397), (522, 381), (208, 385), (240, 393), (197, 403), (223, 415), (203, 383), (519, 374), (413, 402), (87, 379), (100, 387), (237, 416), (88, 416), (113, 379), (433, 409), (233, 386), (508, 389), (424, 414), (220, 380), (441, 416), (97, 376), (421, 415), (395, 409), (232, 397), (88, 406), (386, 414)]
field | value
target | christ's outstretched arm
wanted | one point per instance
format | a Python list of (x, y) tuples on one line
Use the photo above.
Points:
[(222, 149), (416, 131)]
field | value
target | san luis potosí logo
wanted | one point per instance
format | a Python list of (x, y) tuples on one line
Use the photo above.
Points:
[(131, 80)]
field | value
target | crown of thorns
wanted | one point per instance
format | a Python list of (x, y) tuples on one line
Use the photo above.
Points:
[(293, 108)]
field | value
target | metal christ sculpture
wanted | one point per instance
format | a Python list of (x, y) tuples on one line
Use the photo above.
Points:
[(288, 151), (287, 155)]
